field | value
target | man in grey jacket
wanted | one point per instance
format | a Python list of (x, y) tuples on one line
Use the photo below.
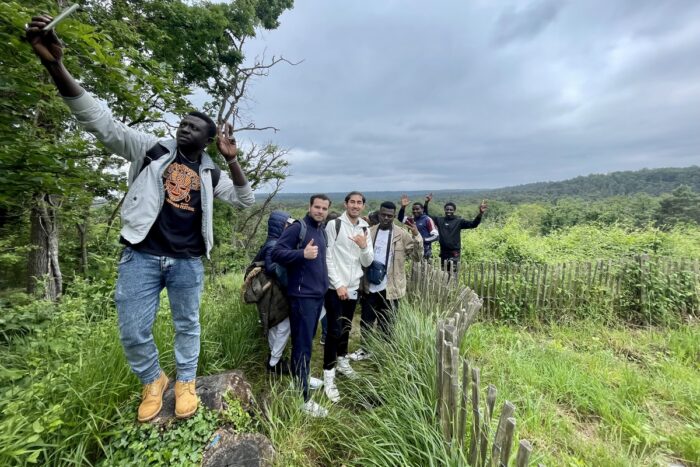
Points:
[(166, 226)]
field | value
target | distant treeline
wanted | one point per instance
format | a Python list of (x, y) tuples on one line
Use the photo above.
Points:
[(596, 186)]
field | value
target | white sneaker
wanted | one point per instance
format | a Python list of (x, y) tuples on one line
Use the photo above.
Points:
[(345, 369), (359, 354), (315, 383), (312, 408), (329, 385)]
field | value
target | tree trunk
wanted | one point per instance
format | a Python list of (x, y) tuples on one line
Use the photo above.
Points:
[(83, 237), (43, 271)]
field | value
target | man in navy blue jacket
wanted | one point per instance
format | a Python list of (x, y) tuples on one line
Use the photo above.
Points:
[(307, 283)]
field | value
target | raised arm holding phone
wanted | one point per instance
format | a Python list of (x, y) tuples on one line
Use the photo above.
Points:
[(166, 224)]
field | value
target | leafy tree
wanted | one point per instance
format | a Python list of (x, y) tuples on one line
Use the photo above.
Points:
[(141, 58), (204, 43), (48, 165), (681, 206)]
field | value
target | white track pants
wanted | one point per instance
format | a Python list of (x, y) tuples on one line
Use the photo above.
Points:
[(277, 337)]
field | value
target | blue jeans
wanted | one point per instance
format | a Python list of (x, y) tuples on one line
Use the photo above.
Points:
[(141, 279)]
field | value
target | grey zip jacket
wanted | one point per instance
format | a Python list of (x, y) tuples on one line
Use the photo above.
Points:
[(146, 194)]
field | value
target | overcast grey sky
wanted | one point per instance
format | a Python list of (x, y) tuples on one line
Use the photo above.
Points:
[(398, 95)]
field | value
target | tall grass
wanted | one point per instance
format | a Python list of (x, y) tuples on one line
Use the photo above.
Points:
[(66, 387), (386, 418), (586, 393)]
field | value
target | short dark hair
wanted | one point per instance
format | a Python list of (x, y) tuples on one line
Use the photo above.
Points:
[(333, 215), (388, 205), (450, 203), (210, 123), (418, 204), (373, 218), (353, 193), (320, 196)]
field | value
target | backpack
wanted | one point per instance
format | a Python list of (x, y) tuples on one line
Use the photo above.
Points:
[(257, 281), (302, 233), (264, 289)]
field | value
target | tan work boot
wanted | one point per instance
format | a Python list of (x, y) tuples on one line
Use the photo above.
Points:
[(152, 398), (186, 401)]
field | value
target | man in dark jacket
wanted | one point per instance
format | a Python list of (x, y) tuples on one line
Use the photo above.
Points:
[(450, 230), (307, 283)]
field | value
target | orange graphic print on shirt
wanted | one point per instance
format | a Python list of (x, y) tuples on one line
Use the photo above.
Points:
[(179, 180)]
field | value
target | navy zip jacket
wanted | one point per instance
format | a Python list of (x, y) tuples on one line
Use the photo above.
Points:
[(306, 277)]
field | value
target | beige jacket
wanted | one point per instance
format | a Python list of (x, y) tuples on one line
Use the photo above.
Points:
[(403, 244)]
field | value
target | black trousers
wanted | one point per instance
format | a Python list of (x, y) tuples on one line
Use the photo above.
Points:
[(375, 307), (450, 261), (339, 313)]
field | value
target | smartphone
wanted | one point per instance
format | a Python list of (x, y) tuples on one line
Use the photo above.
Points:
[(60, 17)]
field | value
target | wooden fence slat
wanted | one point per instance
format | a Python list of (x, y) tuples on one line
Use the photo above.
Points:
[(491, 394), (462, 430), (508, 283), (476, 418), (454, 393), (446, 390), (545, 304), (467, 275), (527, 285), (507, 442), (537, 299), (507, 412), (523, 456), (440, 367), (481, 282), (487, 287), (577, 284), (531, 290), (495, 290), (522, 286)]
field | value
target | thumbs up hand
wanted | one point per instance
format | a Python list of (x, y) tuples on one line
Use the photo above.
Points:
[(311, 251)]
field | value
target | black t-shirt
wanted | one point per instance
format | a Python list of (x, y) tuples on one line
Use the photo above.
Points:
[(177, 231)]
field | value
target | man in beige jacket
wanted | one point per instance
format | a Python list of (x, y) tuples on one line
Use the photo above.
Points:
[(392, 244)]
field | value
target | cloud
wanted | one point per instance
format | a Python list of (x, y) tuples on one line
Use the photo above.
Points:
[(408, 95), (525, 23)]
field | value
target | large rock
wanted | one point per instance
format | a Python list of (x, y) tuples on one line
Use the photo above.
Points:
[(229, 449), (211, 390)]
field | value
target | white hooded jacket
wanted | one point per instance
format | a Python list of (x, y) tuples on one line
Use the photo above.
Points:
[(344, 258), (145, 197)]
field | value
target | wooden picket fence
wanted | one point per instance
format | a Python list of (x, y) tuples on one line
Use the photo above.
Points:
[(542, 291), (456, 308)]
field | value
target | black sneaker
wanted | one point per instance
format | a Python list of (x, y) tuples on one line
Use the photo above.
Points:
[(280, 369)]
